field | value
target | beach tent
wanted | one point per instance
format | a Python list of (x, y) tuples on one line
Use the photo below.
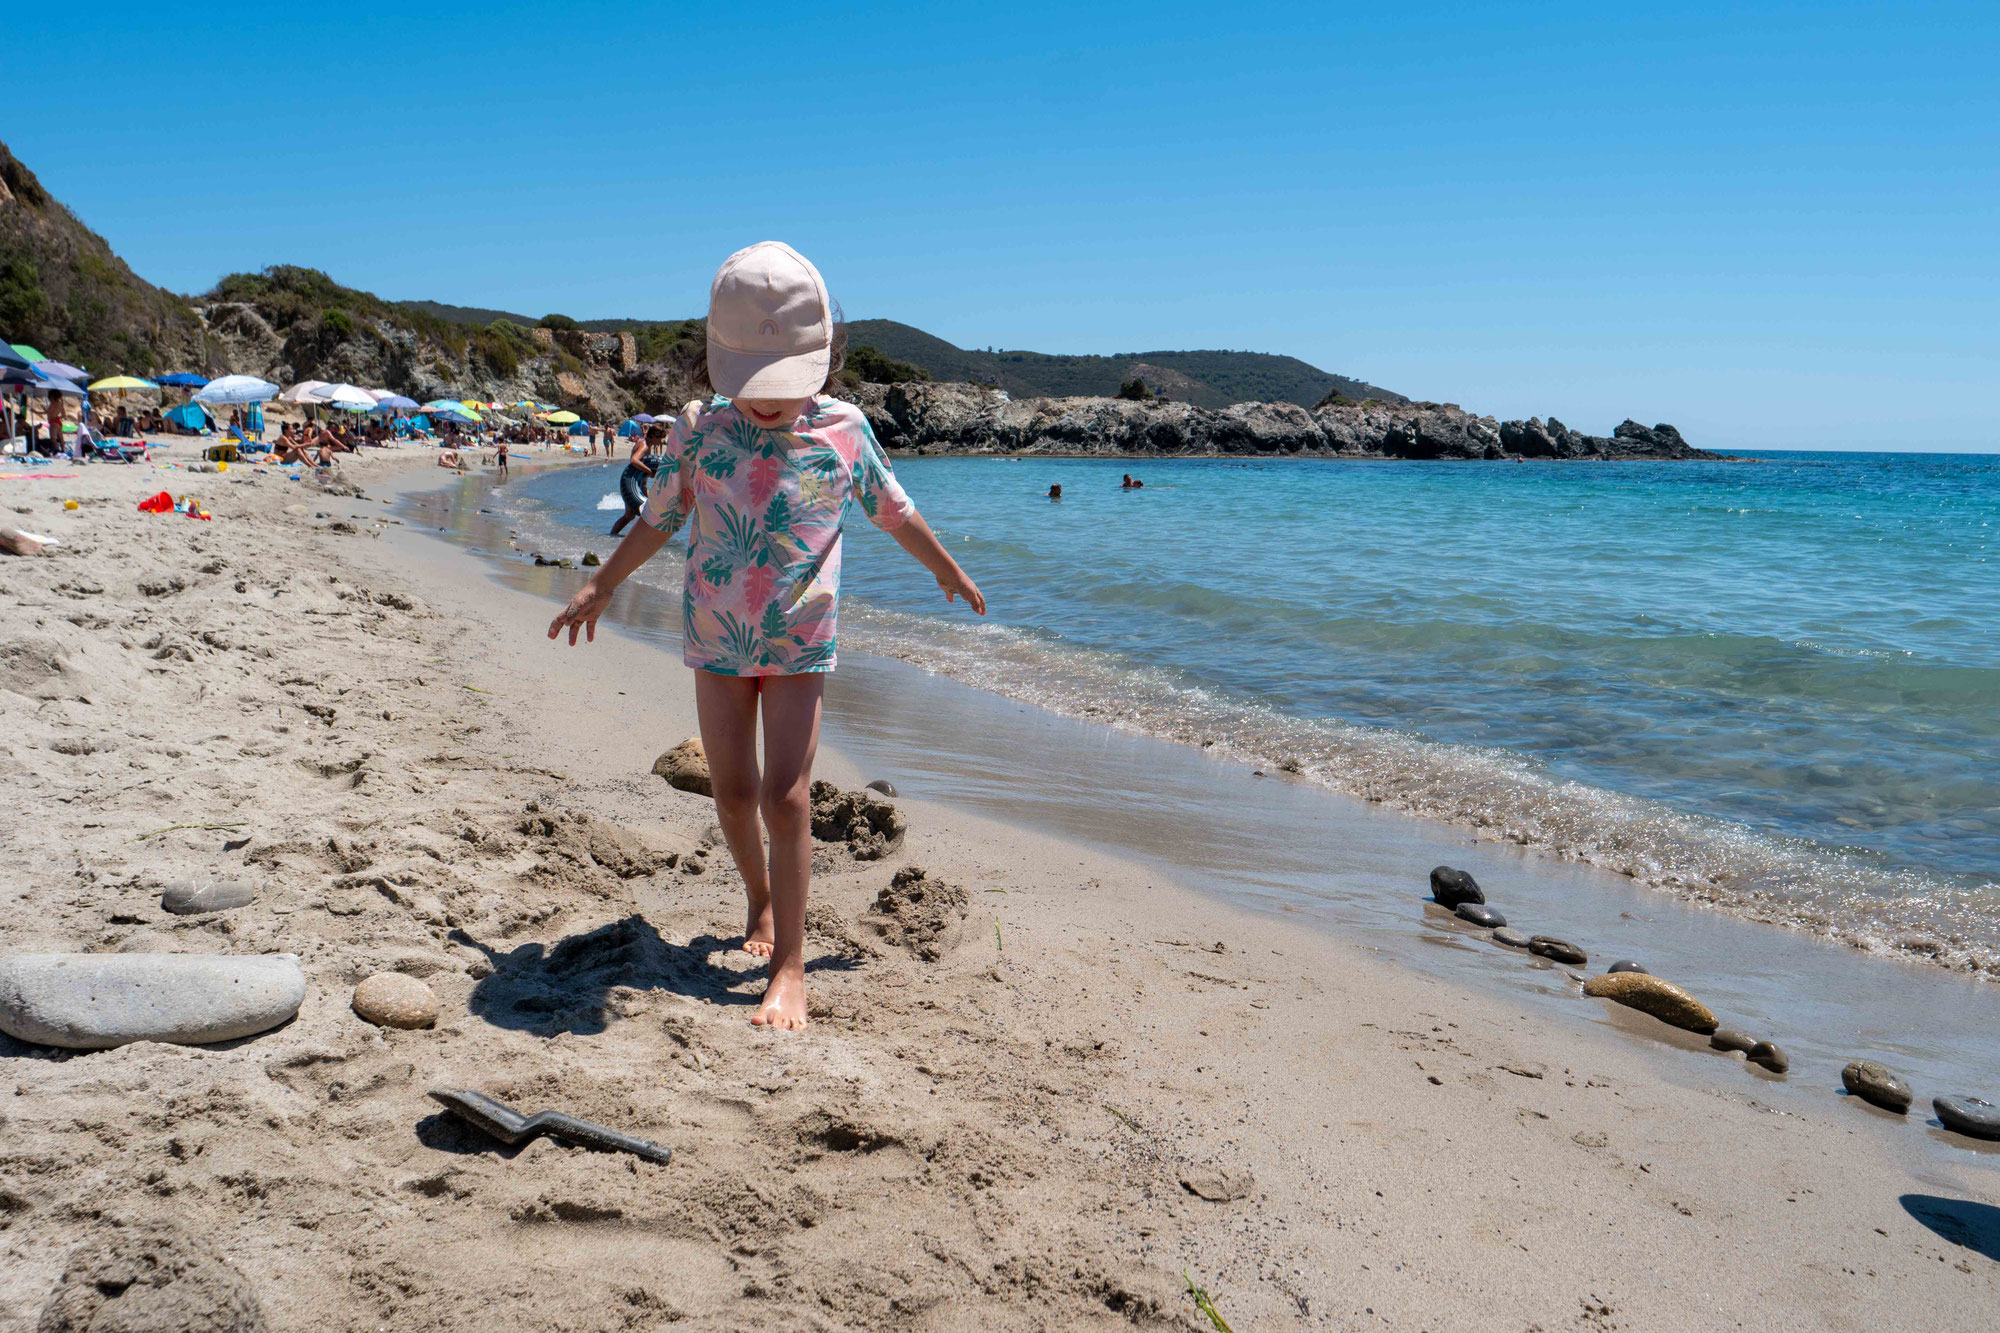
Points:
[(629, 429), (580, 428), (191, 416)]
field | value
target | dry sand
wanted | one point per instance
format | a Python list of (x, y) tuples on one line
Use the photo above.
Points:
[(1022, 1134)]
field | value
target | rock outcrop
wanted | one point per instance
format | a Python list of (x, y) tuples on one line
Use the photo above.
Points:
[(931, 418)]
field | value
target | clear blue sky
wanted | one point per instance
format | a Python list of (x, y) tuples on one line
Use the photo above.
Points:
[(1771, 224)]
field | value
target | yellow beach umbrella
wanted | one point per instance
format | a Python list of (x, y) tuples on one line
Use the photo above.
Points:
[(122, 382), (561, 418)]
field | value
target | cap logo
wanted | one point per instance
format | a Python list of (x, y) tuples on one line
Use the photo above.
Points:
[(769, 326)]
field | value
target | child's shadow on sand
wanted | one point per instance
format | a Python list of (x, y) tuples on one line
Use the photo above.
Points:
[(570, 987)]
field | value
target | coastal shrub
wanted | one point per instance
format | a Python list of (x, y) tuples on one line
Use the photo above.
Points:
[(560, 323), (1334, 398), (22, 300), (336, 325), (1134, 390), (870, 366)]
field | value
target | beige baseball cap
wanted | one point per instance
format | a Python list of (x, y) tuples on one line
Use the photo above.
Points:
[(770, 324)]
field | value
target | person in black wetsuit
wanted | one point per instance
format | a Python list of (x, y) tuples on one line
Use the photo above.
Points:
[(648, 457)]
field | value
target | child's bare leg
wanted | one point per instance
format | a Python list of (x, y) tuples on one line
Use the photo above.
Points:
[(727, 707), (791, 737)]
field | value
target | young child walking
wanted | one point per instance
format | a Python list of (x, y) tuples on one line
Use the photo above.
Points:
[(766, 470)]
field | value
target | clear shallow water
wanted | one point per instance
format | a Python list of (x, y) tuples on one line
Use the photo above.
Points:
[(1774, 686)]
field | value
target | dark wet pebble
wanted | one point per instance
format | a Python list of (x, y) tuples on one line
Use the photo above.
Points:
[(1770, 1055), (1560, 951), (883, 785), (1625, 965), (1729, 1039), (1479, 914), (1877, 1086), (1510, 937), (1972, 1116), (1451, 887)]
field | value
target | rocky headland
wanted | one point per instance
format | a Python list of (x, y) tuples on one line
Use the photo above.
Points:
[(932, 418)]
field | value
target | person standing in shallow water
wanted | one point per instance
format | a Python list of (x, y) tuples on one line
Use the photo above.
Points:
[(765, 473), (637, 478)]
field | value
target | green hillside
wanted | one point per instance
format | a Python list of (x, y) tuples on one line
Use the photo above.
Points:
[(63, 290), (1216, 378)]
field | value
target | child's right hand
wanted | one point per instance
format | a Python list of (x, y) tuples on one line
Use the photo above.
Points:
[(582, 613)]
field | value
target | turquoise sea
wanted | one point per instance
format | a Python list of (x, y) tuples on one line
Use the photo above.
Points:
[(1772, 685)]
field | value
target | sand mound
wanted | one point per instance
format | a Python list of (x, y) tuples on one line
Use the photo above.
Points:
[(918, 912), (151, 1277)]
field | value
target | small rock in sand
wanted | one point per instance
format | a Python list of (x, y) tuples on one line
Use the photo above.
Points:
[(1653, 995), (1770, 1055), (1877, 1086), (1218, 1185), (686, 767), (392, 1000), (1451, 887), (1729, 1039), (1510, 937), (1479, 914), (94, 1001), (1555, 950), (883, 785), (590, 560), (1972, 1116), (150, 1277), (194, 897), (1624, 965)]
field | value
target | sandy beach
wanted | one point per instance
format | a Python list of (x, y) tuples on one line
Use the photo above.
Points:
[(1053, 1093)]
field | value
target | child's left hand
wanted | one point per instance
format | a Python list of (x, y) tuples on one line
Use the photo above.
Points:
[(956, 584)]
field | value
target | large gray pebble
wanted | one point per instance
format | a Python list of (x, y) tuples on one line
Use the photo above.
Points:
[(193, 897), (93, 1001), (1972, 1116), (1876, 1085)]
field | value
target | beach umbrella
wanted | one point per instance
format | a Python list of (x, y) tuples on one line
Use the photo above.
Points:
[(62, 370), (644, 418), (443, 405), (181, 380), (347, 396), (562, 418), (13, 359), (47, 384), (457, 414), (305, 391), (236, 389), (22, 349), (122, 383), (394, 402)]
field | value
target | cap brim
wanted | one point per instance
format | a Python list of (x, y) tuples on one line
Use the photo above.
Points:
[(763, 375)]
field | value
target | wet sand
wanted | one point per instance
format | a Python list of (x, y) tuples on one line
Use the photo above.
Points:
[(1017, 1134)]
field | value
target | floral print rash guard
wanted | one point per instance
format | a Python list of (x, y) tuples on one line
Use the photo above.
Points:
[(762, 590)]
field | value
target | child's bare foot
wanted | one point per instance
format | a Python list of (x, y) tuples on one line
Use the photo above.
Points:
[(784, 1005), (757, 930)]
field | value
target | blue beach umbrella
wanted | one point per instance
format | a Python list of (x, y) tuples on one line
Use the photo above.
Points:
[(395, 402), (182, 380), (12, 359)]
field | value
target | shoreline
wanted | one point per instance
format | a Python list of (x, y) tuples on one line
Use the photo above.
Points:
[(936, 1151)]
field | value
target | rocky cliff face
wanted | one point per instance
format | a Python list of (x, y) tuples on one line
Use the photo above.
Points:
[(597, 375), (964, 418)]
